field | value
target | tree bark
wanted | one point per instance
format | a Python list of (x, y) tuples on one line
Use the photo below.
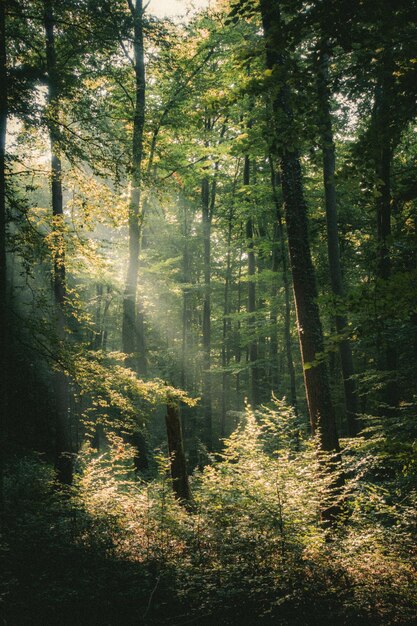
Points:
[(207, 404), (383, 150), (186, 297), (131, 343), (226, 322), (304, 280), (238, 348), (333, 249), (178, 464), (251, 302), (3, 221), (208, 202), (133, 339), (97, 333), (280, 235), (262, 261), (63, 435)]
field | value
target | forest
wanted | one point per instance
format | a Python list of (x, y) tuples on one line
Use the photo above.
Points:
[(208, 312)]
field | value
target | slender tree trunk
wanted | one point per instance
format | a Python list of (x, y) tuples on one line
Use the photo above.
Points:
[(131, 343), (238, 352), (383, 140), (103, 345), (186, 310), (97, 335), (188, 414), (274, 381), (304, 280), (226, 325), (133, 340), (63, 436), (251, 302), (207, 405), (3, 221), (103, 302), (178, 464), (287, 297), (262, 260), (333, 250), (208, 201)]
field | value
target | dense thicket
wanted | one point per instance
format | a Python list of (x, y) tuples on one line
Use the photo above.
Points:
[(208, 322)]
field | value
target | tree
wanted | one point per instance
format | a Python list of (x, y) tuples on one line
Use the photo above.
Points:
[(281, 254), (179, 474), (63, 436), (207, 204), (132, 343), (304, 281), (333, 251), (3, 221), (251, 305)]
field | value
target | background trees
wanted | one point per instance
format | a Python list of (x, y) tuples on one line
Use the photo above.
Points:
[(211, 299)]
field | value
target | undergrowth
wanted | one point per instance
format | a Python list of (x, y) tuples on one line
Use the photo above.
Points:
[(251, 549)]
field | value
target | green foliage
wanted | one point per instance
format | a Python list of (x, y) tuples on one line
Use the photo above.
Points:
[(252, 549), (115, 396)]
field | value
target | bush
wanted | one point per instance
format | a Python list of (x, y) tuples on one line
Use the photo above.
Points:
[(252, 549)]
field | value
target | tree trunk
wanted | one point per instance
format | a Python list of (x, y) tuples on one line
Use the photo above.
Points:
[(304, 280), (133, 346), (207, 405), (3, 220), (188, 414), (133, 340), (63, 436), (273, 369), (226, 324), (178, 464), (262, 261), (286, 280), (238, 350), (97, 333), (208, 201), (333, 250), (383, 141), (186, 296), (251, 306)]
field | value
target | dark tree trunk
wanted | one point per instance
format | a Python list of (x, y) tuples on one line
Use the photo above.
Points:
[(3, 220), (186, 298), (333, 250), (97, 334), (238, 349), (262, 261), (280, 235), (178, 464), (188, 414), (273, 371), (103, 344), (226, 325), (132, 337), (304, 280), (384, 146), (207, 405), (251, 305), (63, 435), (208, 202)]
